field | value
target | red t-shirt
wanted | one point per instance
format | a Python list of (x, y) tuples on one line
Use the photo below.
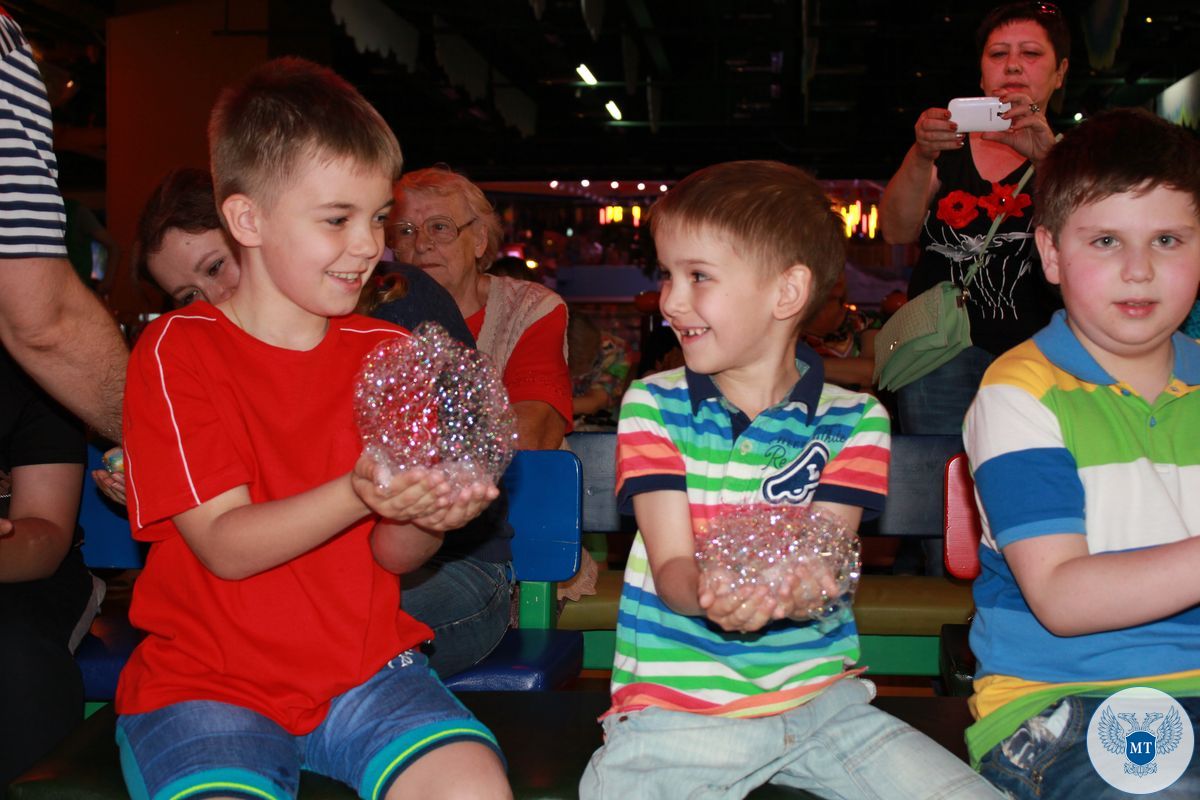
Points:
[(209, 408), (537, 370)]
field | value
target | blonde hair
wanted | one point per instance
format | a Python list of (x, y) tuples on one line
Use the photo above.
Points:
[(286, 110), (442, 181), (773, 213)]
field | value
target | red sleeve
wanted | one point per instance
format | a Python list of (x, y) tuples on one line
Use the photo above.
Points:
[(178, 449), (537, 369)]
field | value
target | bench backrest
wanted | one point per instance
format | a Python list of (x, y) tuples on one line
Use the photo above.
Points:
[(544, 507), (914, 505), (961, 520)]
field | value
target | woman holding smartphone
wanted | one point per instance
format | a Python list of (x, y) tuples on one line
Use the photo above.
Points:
[(952, 185)]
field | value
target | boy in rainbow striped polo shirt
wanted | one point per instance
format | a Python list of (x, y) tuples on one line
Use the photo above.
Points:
[(716, 692), (1088, 584)]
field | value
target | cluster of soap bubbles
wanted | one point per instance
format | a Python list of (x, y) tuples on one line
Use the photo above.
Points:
[(760, 545), (429, 401)]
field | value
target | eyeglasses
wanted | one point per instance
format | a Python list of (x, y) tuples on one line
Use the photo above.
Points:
[(1045, 8), (442, 230)]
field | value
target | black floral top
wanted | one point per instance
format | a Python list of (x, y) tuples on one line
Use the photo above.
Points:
[(1009, 299)]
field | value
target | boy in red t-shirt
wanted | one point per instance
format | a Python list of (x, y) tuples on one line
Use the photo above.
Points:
[(270, 596)]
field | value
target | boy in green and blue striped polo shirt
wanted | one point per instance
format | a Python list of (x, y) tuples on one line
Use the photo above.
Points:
[(1085, 446), (717, 691)]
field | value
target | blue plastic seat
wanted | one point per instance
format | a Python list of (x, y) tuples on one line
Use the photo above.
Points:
[(545, 498)]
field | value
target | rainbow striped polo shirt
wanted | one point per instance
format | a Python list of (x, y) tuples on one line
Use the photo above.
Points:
[(677, 432)]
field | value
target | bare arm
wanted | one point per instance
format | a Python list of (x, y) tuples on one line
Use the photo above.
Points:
[(45, 503), (235, 538), (539, 426), (596, 399), (902, 208), (59, 332), (665, 522), (1073, 592)]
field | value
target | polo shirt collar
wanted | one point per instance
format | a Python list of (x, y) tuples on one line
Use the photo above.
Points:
[(1060, 345), (807, 390)]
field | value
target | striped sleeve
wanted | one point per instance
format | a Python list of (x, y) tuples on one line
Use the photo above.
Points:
[(32, 216), (647, 459), (858, 474), (1015, 446)]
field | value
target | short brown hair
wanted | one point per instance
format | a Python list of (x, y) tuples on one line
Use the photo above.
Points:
[(183, 200), (1123, 150), (442, 181), (1047, 15), (775, 213), (285, 110)]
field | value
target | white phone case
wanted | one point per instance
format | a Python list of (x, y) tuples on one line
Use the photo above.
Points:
[(978, 114)]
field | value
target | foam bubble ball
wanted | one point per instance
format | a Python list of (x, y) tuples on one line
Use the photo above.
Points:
[(759, 545), (429, 401)]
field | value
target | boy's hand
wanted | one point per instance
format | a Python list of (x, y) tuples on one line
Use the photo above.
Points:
[(112, 484), (408, 495), (808, 585), (743, 609), (463, 507)]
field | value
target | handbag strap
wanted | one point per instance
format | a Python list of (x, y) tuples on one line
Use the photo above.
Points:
[(982, 257)]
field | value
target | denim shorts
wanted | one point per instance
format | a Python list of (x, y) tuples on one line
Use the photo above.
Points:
[(370, 735), (1047, 756), (837, 745)]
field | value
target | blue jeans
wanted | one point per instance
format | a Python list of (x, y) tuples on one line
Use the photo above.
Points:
[(837, 745), (371, 734), (466, 602), (1047, 757), (937, 403)]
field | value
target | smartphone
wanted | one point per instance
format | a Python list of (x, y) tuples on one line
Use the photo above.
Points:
[(978, 114)]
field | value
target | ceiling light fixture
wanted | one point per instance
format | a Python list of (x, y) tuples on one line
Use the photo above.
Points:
[(586, 75), (613, 110)]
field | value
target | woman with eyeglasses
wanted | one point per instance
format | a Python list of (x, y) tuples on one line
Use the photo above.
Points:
[(443, 224), (951, 186)]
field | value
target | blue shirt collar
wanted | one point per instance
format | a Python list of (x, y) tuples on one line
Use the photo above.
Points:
[(807, 390), (1060, 345)]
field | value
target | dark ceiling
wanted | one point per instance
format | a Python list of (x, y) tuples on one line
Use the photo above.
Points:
[(831, 85)]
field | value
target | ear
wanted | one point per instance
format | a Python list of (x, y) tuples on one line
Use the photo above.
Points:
[(1062, 74), (795, 288), (481, 241), (1049, 253), (242, 219)]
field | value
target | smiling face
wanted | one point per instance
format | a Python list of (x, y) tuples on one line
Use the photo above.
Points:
[(320, 240), (452, 264), (720, 306), (1018, 58), (195, 266), (1129, 266)]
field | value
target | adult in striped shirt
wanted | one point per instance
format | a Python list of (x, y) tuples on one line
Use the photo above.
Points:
[(49, 321), (717, 691)]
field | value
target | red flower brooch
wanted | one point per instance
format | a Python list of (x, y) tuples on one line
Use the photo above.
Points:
[(1002, 201), (958, 209)]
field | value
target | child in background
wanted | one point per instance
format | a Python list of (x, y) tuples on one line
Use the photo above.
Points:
[(270, 596), (717, 691), (1088, 584), (599, 365)]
